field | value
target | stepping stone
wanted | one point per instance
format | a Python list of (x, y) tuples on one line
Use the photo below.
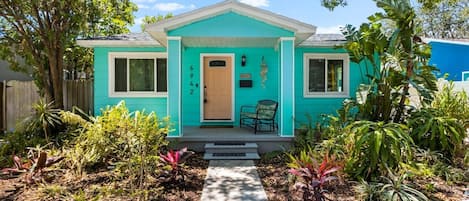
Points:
[(233, 180)]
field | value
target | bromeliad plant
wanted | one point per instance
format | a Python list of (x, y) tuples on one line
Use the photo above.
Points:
[(311, 176), (34, 168), (174, 162)]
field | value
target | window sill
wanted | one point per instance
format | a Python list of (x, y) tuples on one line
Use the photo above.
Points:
[(326, 95), (138, 95)]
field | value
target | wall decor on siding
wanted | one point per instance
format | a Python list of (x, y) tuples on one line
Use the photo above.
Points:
[(263, 72), (191, 83), (245, 75)]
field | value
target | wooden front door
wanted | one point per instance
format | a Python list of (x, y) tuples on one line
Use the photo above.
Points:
[(217, 93)]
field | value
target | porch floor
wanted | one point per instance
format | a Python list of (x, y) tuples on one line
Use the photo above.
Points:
[(195, 138), (194, 133)]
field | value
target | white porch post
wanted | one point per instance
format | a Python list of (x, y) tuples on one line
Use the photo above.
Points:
[(287, 86), (174, 85)]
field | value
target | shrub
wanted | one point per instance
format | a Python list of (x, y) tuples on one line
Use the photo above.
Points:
[(432, 129), (311, 176), (45, 121), (377, 146), (130, 142), (454, 104)]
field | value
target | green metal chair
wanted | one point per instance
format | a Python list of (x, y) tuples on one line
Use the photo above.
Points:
[(260, 117)]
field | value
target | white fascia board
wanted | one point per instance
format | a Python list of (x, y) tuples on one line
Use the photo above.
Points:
[(117, 43), (429, 40), (240, 8)]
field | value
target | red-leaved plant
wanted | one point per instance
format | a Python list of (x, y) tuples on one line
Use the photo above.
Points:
[(174, 162), (312, 176), (34, 167)]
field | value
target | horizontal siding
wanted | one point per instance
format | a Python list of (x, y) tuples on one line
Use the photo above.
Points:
[(101, 86)]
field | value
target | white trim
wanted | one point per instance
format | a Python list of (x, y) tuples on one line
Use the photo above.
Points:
[(133, 55), (117, 43), (174, 38), (345, 81), (202, 84), (180, 83), (287, 38), (456, 42), (462, 75)]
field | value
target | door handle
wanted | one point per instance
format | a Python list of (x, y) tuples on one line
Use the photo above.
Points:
[(205, 94)]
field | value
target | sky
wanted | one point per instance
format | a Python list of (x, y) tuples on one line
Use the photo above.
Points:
[(307, 11)]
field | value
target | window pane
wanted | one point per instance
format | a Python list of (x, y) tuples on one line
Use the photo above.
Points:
[(120, 77), (334, 75), (142, 74), (162, 84), (316, 75)]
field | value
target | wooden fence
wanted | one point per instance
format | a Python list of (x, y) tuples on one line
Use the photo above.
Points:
[(19, 96)]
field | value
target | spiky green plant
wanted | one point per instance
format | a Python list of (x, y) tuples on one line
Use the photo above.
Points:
[(434, 130), (377, 146), (391, 188)]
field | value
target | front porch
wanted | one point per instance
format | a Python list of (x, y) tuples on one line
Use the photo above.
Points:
[(195, 138)]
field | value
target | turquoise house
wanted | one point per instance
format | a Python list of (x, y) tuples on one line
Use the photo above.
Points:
[(200, 67)]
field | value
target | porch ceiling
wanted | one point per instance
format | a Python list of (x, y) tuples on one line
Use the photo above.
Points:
[(229, 42)]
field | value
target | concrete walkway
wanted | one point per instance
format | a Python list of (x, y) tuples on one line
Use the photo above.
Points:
[(233, 180)]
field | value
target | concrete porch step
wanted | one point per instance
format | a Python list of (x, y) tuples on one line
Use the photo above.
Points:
[(231, 151), (231, 147), (231, 156)]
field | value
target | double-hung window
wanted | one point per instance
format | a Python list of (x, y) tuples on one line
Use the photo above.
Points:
[(134, 74), (326, 75)]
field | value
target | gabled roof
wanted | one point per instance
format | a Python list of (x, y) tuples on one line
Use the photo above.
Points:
[(302, 30), (324, 40), (120, 40)]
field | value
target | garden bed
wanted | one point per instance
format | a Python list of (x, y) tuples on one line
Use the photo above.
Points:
[(100, 184), (273, 172)]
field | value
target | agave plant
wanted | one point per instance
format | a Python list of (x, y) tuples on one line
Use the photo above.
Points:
[(312, 176)]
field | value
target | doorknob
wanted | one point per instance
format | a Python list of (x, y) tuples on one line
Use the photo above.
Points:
[(205, 94)]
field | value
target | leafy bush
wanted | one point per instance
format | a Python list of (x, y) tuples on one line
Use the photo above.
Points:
[(377, 146), (453, 104), (434, 130), (311, 175), (15, 143), (130, 142)]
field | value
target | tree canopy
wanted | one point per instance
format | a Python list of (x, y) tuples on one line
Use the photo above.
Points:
[(153, 19), (40, 31)]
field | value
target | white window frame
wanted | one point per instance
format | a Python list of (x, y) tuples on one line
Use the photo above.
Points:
[(463, 74), (345, 93), (134, 55)]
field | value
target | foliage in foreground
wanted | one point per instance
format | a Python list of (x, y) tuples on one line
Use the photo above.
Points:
[(129, 142), (174, 163), (390, 188), (377, 147), (311, 176)]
